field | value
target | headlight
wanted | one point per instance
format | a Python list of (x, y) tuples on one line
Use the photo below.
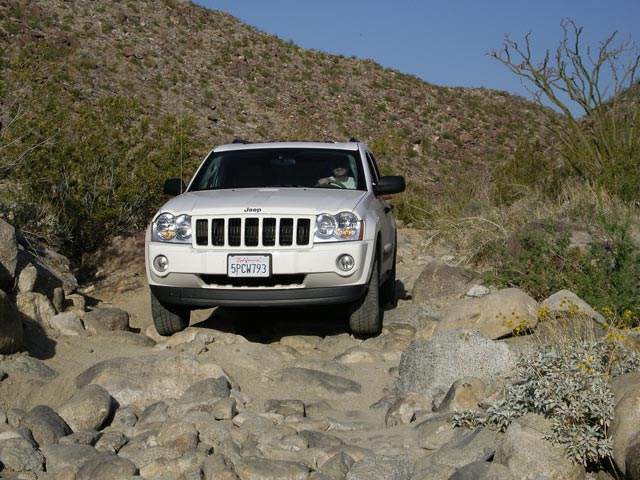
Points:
[(340, 227), (168, 228)]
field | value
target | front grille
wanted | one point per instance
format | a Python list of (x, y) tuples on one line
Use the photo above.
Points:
[(253, 232)]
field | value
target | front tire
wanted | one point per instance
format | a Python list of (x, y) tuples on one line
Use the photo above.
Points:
[(168, 319), (388, 289), (366, 315)]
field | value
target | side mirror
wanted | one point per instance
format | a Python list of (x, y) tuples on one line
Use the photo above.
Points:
[(174, 186), (389, 185)]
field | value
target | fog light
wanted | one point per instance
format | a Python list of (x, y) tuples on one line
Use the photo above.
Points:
[(345, 263), (161, 263)]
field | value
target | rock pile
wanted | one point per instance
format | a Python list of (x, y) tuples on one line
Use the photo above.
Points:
[(241, 396)]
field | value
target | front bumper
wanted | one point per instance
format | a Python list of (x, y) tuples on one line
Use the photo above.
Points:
[(205, 298), (195, 276)]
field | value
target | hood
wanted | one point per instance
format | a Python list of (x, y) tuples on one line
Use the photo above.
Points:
[(264, 201)]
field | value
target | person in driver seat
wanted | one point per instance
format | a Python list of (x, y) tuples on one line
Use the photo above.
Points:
[(340, 175)]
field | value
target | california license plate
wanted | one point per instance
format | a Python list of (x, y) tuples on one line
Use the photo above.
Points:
[(249, 265)]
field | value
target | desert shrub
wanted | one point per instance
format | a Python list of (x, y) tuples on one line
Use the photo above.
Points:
[(81, 169), (601, 147), (568, 382), (603, 274), (528, 169)]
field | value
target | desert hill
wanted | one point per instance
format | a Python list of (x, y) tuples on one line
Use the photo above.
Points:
[(176, 58)]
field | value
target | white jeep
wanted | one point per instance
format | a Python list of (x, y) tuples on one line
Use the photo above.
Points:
[(276, 224)]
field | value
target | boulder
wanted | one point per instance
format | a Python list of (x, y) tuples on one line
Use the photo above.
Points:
[(436, 431), (201, 396), (528, 456), (8, 255), (18, 454), (382, 467), (439, 281), (148, 378), (216, 466), (632, 461), (432, 366), (337, 466), (466, 447), (626, 420), (178, 435), (482, 471), (45, 425), (87, 409), (70, 457), (11, 334), (565, 301), (314, 380), (253, 468), (496, 315), (36, 307)]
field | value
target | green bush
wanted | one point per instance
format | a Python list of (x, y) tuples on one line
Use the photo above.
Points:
[(93, 168), (540, 260)]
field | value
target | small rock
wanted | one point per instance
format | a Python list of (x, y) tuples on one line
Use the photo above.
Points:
[(464, 394), (58, 300), (106, 319), (8, 255), (27, 278), (106, 467), (285, 407), (178, 435), (477, 291), (36, 307), (67, 323), (201, 396), (402, 410)]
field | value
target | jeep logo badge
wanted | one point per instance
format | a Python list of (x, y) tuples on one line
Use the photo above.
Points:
[(252, 210)]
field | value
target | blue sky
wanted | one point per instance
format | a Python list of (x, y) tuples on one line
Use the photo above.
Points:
[(444, 42)]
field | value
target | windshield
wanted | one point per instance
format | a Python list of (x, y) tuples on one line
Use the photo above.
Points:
[(281, 167)]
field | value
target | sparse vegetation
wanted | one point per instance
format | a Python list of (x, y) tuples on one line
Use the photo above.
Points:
[(568, 381)]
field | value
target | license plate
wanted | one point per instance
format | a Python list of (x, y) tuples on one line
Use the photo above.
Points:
[(249, 265)]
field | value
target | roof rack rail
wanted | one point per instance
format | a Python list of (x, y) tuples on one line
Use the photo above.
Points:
[(240, 140), (354, 139)]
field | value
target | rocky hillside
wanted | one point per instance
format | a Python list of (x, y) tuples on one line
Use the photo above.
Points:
[(177, 58)]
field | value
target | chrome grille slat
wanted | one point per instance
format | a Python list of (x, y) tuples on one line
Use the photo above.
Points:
[(252, 232)]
